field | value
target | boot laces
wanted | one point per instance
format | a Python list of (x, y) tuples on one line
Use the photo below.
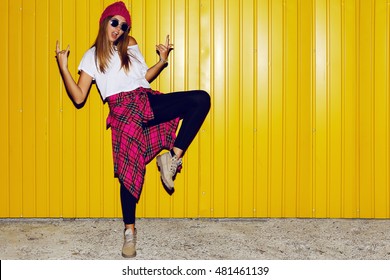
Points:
[(175, 163)]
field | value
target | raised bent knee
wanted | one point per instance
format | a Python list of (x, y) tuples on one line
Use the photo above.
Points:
[(204, 99)]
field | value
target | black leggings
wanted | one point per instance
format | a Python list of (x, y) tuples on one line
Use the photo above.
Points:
[(129, 203), (190, 106)]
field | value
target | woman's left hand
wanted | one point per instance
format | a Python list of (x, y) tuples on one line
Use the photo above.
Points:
[(164, 50)]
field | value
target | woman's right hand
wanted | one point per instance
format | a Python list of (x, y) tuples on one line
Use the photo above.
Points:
[(62, 56), (77, 91)]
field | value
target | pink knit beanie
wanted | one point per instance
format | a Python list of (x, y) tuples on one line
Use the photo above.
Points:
[(117, 8)]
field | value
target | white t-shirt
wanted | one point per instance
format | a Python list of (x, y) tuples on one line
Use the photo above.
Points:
[(116, 80)]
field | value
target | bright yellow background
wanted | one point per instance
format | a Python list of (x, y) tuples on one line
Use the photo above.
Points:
[(299, 124)]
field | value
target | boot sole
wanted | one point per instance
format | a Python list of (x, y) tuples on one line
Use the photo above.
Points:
[(129, 256)]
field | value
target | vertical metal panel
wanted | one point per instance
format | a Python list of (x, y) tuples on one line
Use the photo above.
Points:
[(54, 137), (299, 124), (15, 110), (381, 110), (349, 107), (306, 105), (366, 95), (41, 70), (28, 108), (5, 116), (261, 150), (290, 140)]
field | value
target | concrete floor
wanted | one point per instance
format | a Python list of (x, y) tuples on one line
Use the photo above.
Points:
[(197, 239)]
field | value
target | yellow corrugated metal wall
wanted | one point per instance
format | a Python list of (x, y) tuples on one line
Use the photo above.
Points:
[(299, 124)]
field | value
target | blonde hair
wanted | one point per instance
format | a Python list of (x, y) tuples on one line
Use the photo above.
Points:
[(104, 49)]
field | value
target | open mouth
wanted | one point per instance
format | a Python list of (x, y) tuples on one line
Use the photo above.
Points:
[(115, 35)]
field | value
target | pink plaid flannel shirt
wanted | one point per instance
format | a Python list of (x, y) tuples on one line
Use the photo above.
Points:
[(134, 144)]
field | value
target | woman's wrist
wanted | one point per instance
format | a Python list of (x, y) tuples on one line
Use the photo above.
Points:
[(163, 61)]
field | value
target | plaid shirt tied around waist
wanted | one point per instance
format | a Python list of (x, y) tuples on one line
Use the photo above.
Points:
[(134, 144)]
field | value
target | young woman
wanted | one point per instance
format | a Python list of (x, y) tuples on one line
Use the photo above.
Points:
[(142, 121)]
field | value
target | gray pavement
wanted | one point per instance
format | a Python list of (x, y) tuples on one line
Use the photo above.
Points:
[(197, 239)]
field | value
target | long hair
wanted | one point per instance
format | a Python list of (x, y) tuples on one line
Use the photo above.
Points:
[(104, 50)]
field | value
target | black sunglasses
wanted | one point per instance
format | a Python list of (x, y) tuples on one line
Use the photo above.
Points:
[(114, 23)]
